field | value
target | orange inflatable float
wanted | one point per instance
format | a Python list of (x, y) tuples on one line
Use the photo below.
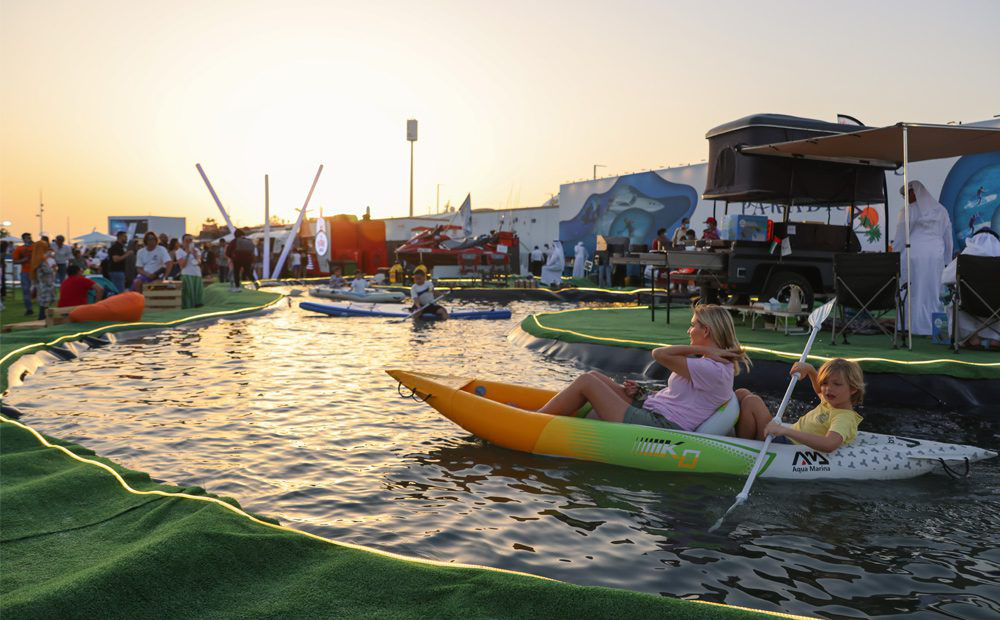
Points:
[(123, 308)]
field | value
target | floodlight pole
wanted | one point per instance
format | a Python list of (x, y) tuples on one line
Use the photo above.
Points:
[(411, 137), (906, 225)]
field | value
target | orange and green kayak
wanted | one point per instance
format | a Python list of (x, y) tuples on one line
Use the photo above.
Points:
[(506, 415)]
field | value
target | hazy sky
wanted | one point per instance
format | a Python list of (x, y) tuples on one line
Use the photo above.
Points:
[(108, 105)]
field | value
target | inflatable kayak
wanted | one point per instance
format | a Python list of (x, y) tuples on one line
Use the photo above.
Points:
[(381, 310), (506, 415), (345, 294)]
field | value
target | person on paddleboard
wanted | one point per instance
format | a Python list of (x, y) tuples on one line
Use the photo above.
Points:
[(701, 380), (840, 385), (422, 293)]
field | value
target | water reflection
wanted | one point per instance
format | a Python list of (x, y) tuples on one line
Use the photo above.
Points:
[(292, 415)]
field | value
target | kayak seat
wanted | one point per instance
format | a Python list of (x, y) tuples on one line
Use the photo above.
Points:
[(723, 421)]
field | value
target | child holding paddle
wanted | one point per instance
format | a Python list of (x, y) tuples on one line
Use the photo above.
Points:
[(422, 293), (840, 386)]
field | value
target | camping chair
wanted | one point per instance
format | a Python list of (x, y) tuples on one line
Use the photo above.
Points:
[(977, 293), (867, 283)]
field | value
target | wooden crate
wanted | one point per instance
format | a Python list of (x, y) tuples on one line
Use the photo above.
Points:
[(162, 296), (57, 316)]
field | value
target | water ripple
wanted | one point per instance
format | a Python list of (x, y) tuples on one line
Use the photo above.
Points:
[(292, 415)]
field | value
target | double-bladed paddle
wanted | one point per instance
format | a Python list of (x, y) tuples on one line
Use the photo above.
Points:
[(816, 319), (421, 308)]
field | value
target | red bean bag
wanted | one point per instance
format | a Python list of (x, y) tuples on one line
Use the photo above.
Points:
[(123, 308)]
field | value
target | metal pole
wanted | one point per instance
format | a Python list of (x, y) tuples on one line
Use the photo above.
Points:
[(906, 224), (215, 197), (41, 210), (411, 178), (267, 230), (295, 229), (437, 200)]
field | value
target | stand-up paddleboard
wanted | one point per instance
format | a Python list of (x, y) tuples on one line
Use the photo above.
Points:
[(507, 416), (383, 310), (345, 294)]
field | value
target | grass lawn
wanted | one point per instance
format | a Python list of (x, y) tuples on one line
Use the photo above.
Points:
[(13, 310)]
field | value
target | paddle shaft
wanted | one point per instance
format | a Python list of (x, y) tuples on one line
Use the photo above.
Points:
[(777, 418), (421, 308)]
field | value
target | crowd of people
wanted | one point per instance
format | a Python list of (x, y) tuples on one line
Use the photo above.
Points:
[(56, 273)]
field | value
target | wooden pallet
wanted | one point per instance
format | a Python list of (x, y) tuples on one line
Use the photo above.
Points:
[(162, 296), (57, 316), (15, 327)]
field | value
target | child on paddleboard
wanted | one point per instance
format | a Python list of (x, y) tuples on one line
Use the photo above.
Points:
[(840, 386), (422, 293)]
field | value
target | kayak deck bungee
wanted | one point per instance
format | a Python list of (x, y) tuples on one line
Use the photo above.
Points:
[(346, 294), (506, 415), (394, 311)]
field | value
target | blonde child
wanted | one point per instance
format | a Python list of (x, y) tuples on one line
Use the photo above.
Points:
[(840, 386)]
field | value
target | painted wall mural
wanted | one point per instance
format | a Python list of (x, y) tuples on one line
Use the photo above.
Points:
[(634, 206), (971, 194)]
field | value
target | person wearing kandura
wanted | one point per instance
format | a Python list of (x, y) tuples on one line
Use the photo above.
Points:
[(701, 380)]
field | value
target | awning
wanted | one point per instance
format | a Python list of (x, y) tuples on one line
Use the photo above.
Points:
[(883, 147)]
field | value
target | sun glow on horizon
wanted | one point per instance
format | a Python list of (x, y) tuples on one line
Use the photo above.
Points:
[(109, 105)]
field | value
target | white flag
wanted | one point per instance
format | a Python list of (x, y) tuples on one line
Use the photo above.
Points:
[(466, 212)]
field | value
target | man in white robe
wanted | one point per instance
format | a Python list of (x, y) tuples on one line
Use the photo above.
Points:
[(553, 269), (579, 259), (930, 251), (984, 242)]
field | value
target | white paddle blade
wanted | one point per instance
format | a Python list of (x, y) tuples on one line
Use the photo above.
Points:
[(819, 314)]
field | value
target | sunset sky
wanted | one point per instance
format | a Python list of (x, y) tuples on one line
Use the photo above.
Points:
[(108, 105)]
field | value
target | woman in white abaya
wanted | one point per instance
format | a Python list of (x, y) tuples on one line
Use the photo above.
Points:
[(553, 269), (579, 259), (930, 251), (982, 243)]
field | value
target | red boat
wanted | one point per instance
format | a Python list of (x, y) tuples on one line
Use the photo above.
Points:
[(435, 247)]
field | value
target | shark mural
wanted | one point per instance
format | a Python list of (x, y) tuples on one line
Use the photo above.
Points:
[(635, 206)]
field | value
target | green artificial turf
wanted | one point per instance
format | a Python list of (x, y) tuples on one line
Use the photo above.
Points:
[(219, 301), (75, 544), (631, 327)]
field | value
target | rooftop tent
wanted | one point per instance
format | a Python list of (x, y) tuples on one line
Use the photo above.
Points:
[(735, 176)]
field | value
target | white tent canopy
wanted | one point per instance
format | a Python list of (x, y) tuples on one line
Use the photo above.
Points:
[(93, 238), (891, 147)]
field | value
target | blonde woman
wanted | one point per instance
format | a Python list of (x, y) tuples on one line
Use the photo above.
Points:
[(701, 380)]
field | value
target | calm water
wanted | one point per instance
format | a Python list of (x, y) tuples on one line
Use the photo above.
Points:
[(292, 415)]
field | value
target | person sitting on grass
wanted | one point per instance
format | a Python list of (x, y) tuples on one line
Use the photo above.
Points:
[(422, 293), (73, 290), (152, 261), (840, 385), (701, 380)]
